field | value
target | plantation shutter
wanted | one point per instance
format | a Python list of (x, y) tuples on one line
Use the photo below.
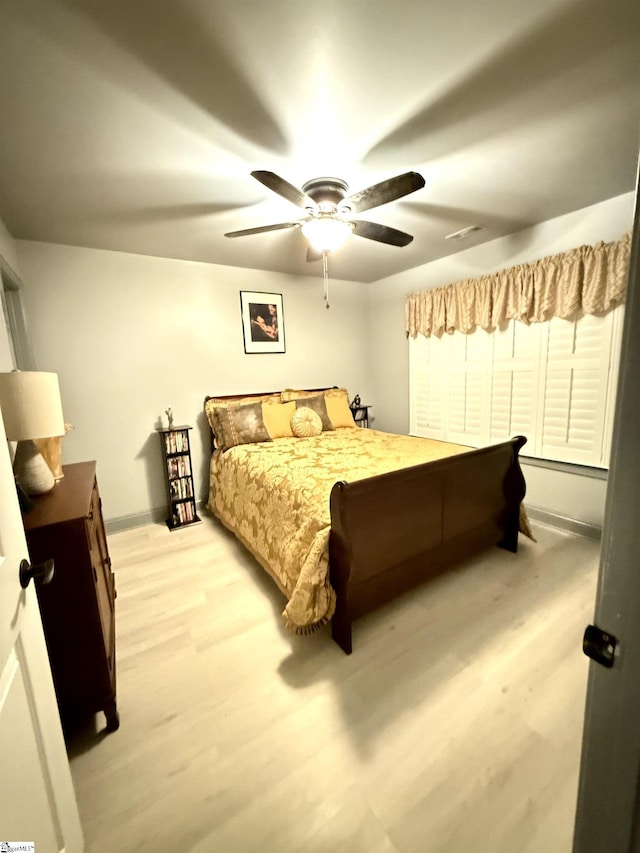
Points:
[(575, 396), (426, 380), (467, 359), (552, 382), (514, 381)]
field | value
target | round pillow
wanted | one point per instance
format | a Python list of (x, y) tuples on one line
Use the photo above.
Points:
[(305, 422)]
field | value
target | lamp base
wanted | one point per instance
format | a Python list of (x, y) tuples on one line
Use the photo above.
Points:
[(51, 450), (32, 472)]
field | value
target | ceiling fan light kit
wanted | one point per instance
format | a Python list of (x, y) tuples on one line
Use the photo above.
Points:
[(326, 233), (329, 209)]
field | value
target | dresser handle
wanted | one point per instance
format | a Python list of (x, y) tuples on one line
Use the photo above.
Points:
[(42, 572)]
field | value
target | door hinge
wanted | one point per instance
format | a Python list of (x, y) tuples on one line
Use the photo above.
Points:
[(599, 645)]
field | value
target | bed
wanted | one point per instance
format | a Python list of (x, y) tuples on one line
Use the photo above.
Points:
[(347, 519)]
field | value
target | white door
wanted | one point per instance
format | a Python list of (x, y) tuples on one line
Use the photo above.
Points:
[(37, 801), (608, 814)]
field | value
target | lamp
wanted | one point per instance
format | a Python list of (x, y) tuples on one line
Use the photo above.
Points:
[(325, 233), (31, 408)]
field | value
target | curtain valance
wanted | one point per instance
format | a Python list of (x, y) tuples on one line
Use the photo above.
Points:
[(591, 278)]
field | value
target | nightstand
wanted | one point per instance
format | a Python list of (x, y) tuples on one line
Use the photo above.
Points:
[(360, 415)]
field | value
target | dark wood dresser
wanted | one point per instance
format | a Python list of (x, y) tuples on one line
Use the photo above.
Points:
[(78, 605)]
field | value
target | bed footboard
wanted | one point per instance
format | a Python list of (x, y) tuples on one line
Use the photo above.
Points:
[(391, 532)]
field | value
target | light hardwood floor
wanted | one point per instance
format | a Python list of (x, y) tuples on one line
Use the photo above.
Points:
[(455, 726)]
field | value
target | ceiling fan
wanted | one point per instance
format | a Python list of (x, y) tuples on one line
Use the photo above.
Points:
[(329, 210)]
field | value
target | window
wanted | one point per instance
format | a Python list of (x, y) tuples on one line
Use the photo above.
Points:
[(552, 382)]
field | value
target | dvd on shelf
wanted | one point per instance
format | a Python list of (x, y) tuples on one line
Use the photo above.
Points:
[(177, 441)]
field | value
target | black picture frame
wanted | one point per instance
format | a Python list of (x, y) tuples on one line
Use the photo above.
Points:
[(262, 322)]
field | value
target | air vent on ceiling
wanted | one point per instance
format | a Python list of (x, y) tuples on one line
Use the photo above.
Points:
[(464, 233)]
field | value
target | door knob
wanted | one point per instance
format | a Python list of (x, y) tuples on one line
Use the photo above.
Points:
[(42, 572)]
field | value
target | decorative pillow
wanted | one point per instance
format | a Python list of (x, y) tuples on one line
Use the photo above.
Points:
[(339, 411), (277, 419), (306, 423), (220, 403), (319, 405), (235, 425), (292, 394), (298, 393), (337, 392)]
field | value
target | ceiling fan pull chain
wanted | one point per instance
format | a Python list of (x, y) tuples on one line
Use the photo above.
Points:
[(325, 275)]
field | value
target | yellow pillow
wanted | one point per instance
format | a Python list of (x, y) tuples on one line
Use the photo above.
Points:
[(277, 419), (306, 423), (338, 411)]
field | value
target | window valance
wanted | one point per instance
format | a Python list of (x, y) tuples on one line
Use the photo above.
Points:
[(591, 278)]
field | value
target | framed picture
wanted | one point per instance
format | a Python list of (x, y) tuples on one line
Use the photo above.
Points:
[(262, 321)]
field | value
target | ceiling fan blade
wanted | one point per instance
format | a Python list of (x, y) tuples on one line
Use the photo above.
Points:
[(385, 191), (381, 233), (286, 190), (313, 255), (261, 229)]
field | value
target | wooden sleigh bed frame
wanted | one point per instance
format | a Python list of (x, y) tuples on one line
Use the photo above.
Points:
[(391, 532)]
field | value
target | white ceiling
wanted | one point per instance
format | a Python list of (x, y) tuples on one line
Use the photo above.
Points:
[(133, 125)]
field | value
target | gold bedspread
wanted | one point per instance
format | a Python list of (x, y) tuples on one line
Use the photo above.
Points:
[(274, 496)]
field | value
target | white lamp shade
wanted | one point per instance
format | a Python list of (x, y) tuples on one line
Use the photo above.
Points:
[(31, 405)]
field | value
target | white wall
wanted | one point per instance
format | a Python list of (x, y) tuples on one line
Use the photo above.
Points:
[(566, 494), (569, 495), (130, 335)]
